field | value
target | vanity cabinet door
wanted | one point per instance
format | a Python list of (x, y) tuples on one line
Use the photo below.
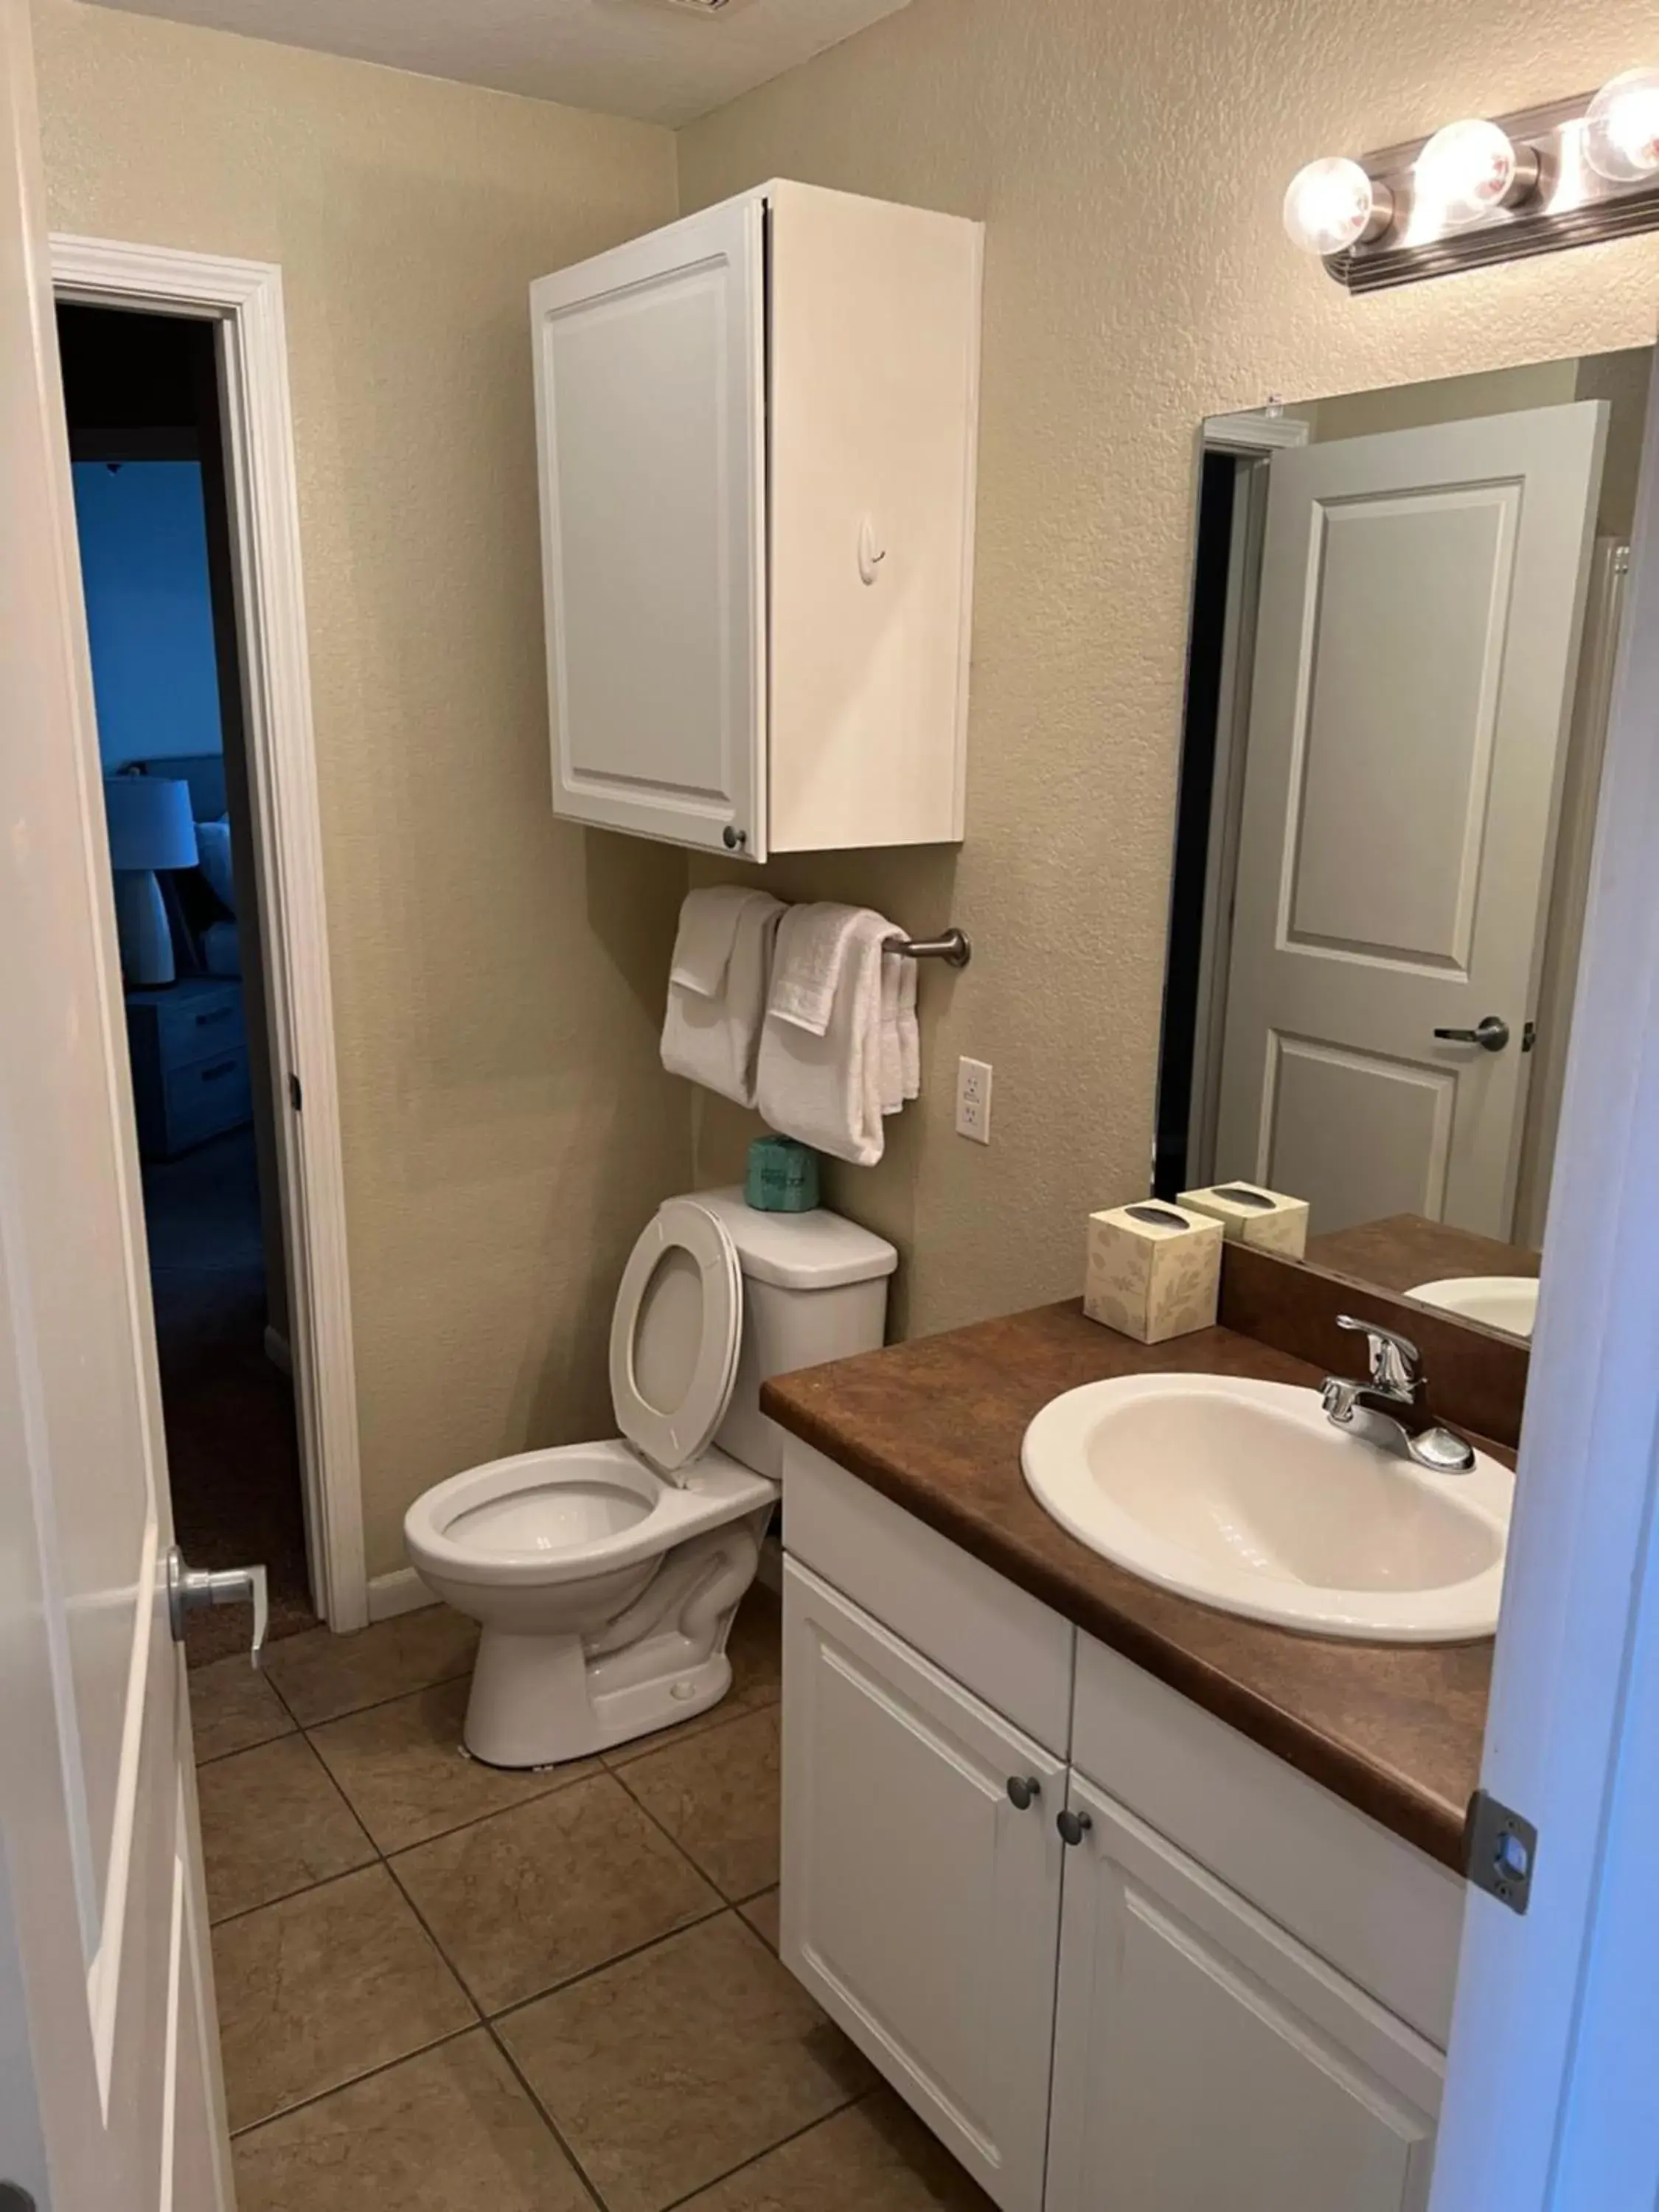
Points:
[(921, 1904), (1203, 2058)]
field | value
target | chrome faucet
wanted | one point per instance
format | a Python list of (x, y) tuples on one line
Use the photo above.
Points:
[(1391, 1396)]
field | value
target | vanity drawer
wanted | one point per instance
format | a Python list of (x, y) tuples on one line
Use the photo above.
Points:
[(1007, 1647), (1375, 1907)]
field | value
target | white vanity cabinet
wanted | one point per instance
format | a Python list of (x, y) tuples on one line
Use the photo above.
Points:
[(1224, 1987), (920, 1904), (756, 431)]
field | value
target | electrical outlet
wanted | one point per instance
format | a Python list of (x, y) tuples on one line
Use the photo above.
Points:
[(973, 1100)]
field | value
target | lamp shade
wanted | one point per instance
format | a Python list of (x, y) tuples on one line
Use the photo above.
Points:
[(150, 824)]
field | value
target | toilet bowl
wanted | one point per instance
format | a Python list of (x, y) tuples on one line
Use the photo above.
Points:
[(605, 1575)]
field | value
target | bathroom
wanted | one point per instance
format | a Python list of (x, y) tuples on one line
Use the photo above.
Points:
[(506, 1129)]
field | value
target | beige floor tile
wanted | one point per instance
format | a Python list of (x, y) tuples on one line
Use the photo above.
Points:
[(717, 1796), (530, 1897), (402, 1767), (875, 2157), (325, 1986), (671, 2068), (233, 1707), (320, 1675), (272, 1822), (755, 1650), (762, 1914), (449, 2131)]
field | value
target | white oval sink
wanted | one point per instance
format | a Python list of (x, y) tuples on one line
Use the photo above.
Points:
[(1244, 1496), (1508, 1302)]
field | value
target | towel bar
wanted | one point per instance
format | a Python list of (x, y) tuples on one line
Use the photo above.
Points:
[(955, 948)]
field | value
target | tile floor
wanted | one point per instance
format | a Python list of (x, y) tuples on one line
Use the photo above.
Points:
[(443, 1986)]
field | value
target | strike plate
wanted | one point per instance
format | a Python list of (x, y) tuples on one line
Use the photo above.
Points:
[(1501, 1849)]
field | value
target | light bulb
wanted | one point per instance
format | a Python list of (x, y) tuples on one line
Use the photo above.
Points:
[(1334, 204), (1470, 169), (1621, 129)]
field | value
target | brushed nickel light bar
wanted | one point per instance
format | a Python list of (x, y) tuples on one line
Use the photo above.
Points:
[(1477, 191)]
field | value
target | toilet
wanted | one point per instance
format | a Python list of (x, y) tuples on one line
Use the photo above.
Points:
[(605, 1575)]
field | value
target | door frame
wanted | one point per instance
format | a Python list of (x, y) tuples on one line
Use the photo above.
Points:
[(1549, 2100), (243, 299)]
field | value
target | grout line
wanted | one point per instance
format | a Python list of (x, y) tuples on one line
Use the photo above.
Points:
[(548, 2120), (624, 1755), (317, 2096), (634, 1951), (374, 1705), (755, 2157), (553, 1789), (328, 1881), (218, 1757)]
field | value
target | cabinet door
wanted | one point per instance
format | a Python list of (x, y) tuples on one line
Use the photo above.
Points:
[(650, 426), (1204, 2058), (920, 1906)]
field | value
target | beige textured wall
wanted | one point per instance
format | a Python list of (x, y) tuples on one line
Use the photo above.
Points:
[(497, 977), (1130, 161)]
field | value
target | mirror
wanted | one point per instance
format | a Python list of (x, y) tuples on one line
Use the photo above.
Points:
[(1405, 613)]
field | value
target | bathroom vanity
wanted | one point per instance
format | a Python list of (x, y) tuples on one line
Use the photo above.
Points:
[(1134, 1902)]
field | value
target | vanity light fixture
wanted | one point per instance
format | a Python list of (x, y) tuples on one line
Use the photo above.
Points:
[(1487, 190)]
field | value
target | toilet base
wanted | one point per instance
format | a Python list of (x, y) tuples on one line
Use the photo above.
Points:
[(534, 1702), (540, 1697)]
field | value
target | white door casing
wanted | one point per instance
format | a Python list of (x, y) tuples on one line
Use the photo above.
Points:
[(1203, 2056), (921, 1906), (1422, 596), (103, 1860), (650, 426)]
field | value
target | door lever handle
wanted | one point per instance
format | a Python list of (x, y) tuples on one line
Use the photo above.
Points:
[(1491, 1033), (189, 1589)]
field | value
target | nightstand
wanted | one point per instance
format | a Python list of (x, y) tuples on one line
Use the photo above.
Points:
[(190, 1070)]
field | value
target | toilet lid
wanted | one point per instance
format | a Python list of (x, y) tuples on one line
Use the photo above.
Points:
[(675, 1334)]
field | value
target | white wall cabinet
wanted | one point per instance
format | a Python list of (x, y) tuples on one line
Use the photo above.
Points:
[(1209, 2011), (921, 1904), (1203, 2058), (756, 432)]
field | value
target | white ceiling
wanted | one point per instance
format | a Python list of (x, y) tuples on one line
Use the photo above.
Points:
[(650, 58)]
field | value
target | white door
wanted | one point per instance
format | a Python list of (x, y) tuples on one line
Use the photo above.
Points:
[(650, 415), (1204, 2059), (1422, 596), (110, 2099), (921, 1904)]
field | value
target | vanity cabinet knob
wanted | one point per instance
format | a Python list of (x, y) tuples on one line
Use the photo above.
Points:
[(1073, 1827), (1024, 1790)]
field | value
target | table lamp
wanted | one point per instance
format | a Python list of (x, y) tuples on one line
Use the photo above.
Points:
[(150, 827)]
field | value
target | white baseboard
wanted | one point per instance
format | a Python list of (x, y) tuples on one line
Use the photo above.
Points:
[(402, 1592), (277, 1352)]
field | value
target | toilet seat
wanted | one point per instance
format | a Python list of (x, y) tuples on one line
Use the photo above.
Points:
[(691, 1326)]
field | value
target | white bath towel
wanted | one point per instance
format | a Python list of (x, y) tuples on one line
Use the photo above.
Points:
[(822, 1085), (717, 988)]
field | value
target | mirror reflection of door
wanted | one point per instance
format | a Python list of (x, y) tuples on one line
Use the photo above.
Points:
[(1407, 702)]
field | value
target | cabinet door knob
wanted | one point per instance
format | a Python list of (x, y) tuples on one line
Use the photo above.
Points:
[(1024, 1790), (1073, 1827)]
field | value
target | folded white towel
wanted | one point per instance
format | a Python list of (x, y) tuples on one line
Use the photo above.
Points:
[(909, 1033), (892, 1053), (703, 945), (807, 972), (823, 1086), (717, 991)]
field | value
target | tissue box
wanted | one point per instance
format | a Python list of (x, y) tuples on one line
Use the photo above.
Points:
[(1250, 1215), (1154, 1270)]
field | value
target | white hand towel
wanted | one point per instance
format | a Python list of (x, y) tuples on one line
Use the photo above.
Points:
[(892, 1052), (909, 1033), (712, 1037), (808, 970), (707, 930), (824, 1088)]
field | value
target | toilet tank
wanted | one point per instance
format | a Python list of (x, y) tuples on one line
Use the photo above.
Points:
[(814, 1288)]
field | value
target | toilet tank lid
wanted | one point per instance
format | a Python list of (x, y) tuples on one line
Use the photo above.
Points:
[(815, 1251)]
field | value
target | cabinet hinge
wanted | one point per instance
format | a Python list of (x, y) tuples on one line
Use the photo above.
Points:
[(1501, 1847), (296, 1096)]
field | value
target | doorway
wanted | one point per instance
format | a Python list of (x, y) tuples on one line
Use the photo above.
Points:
[(155, 533)]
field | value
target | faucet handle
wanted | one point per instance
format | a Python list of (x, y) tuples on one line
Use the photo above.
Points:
[(1393, 1359)]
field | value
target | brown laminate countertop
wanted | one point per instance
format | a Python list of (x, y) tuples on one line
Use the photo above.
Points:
[(935, 1425)]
